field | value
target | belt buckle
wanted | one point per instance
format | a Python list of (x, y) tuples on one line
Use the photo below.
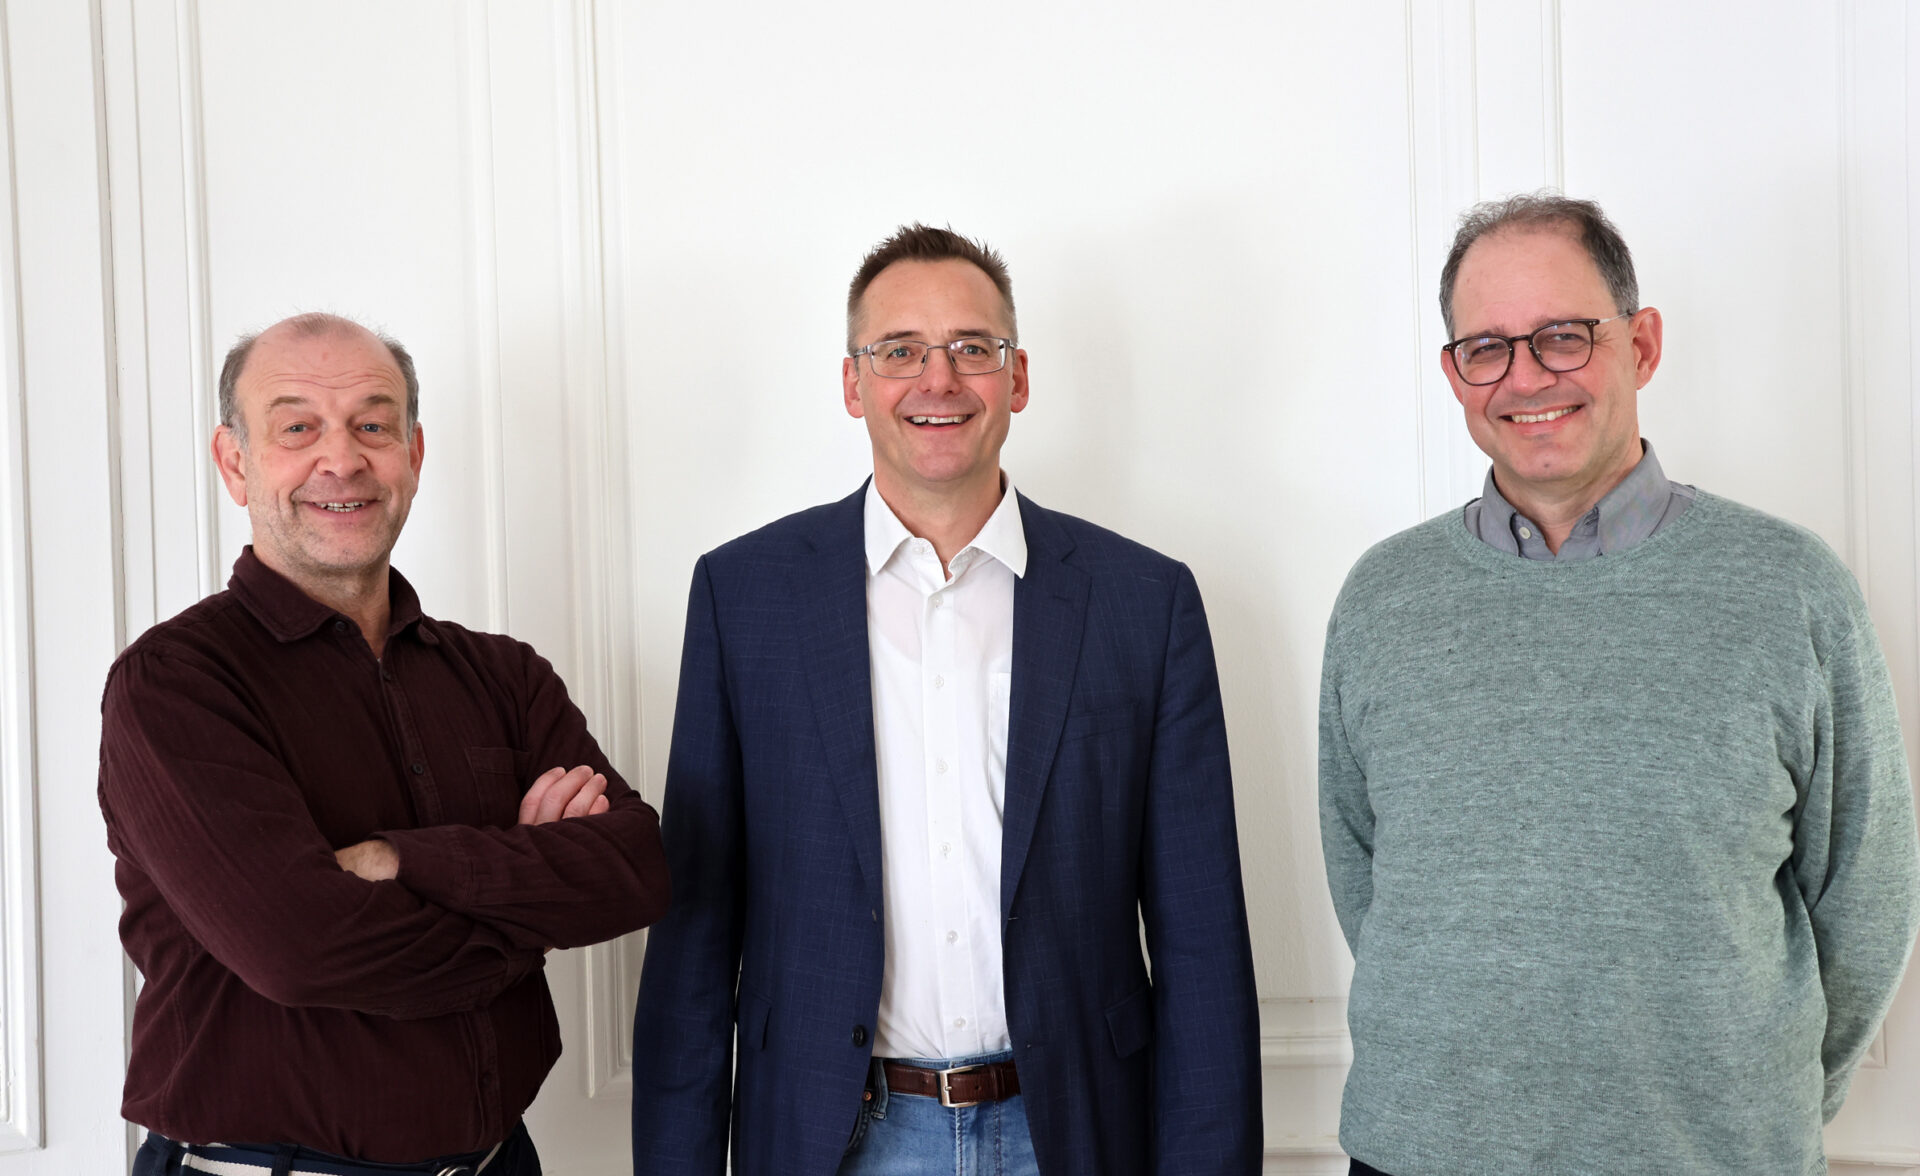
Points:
[(946, 1088)]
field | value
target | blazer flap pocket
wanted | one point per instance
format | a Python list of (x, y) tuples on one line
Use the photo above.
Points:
[(1086, 724), (754, 1012), (1131, 1022)]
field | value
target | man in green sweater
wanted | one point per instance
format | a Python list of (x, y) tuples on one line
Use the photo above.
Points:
[(1617, 819)]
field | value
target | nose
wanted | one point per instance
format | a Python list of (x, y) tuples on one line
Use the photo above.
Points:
[(1525, 374), (338, 452), (937, 371)]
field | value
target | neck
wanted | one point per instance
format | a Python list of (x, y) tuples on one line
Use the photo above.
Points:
[(360, 596), (948, 518), (1555, 509)]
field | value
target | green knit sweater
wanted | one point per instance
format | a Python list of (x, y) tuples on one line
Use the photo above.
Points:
[(1624, 849)]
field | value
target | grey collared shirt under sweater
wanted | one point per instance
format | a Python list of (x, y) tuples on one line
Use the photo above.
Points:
[(1636, 509)]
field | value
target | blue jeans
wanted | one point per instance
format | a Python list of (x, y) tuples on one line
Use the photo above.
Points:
[(913, 1135)]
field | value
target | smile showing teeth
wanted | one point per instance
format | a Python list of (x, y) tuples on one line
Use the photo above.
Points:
[(340, 507), (936, 420), (1523, 418)]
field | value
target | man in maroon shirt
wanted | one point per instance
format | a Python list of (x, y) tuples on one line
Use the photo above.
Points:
[(347, 833)]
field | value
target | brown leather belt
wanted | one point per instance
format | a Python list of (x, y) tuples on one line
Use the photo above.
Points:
[(962, 1086)]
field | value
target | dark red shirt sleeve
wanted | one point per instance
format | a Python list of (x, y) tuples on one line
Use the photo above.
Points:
[(197, 798)]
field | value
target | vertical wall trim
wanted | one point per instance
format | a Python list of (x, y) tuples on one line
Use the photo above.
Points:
[(1444, 161), (1853, 412), (20, 1027), (606, 651), (201, 394), (484, 301), (1553, 122)]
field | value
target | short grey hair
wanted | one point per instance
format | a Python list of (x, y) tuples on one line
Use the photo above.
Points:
[(311, 325), (1549, 210)]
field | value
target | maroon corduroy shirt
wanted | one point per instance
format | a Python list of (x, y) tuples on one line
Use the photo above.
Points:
[(286, 1000)]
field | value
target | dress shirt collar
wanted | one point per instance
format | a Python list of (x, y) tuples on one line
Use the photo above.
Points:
[(1002, 537), (1628, 514), (290, 614)]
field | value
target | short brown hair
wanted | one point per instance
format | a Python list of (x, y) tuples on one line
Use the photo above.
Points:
[(918, 242), (1549, 210), (311, 325)]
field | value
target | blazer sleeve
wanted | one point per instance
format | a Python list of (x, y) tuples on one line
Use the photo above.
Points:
[(1207, 1108), (683, 1027)]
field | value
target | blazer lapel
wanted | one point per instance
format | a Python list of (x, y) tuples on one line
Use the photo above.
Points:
[(1049, 616), (839, 673)]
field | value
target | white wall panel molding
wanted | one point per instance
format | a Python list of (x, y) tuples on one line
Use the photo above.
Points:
[(20, 1026), (483, 302), (605, 681), (1304, 1054), (165, 406), (1484, 121), (539, 108), (603, 488), (1879, 265), (1443, 132)]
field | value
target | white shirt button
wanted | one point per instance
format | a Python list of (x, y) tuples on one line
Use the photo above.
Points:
[(938, 681), (946, 849), (959, 1022), (1525, 534), (939, 601), (953, 937), (940, 766)]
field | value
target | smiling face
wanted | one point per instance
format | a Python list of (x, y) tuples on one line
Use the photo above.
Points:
[(937, 435), (328, 470), (1554, 437)]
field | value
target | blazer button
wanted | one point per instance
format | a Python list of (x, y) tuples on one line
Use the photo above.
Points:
[(859, 1035)]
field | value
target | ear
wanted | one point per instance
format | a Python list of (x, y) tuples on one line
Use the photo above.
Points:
[(1648, 337), (230, 459), (417, 448), (1019, 366), (850, 386), (1458, 385)]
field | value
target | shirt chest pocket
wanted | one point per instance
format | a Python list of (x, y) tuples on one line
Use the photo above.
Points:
[(498, 780)]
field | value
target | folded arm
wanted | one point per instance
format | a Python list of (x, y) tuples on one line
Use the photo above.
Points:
[(549, 882), (197, 800)]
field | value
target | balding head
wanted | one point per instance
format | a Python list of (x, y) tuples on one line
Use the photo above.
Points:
[(312, 325)]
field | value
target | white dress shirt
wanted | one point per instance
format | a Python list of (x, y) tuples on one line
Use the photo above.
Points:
[(942, 654)]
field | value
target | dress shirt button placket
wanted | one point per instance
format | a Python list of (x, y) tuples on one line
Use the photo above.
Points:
[(940, 722), (413, 754)]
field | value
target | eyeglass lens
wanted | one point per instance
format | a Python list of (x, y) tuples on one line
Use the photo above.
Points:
[(1560, 347), (905, 357)]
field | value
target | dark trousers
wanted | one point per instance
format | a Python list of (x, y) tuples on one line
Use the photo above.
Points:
[(1359, 1169), (160, 1156)]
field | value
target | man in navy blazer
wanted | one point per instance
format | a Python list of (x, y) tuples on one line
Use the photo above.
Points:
[(939, 756)]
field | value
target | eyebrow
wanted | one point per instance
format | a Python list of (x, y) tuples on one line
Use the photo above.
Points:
[(1551, 320), (963, 333), (377, 399)]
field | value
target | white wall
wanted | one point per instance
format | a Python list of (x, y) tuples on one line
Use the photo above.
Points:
[(1225, 223)]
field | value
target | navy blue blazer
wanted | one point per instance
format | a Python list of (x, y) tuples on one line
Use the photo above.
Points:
[(1119, 811)]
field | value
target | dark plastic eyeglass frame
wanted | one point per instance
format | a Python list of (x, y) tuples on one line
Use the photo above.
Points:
[(1453, 353), (1005, 346)]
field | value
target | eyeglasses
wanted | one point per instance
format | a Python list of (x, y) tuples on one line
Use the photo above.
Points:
[(900, 359), (1560, 347)]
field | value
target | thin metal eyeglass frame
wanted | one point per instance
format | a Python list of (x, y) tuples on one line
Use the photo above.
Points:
[(1005, 346), (1453, 354)]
